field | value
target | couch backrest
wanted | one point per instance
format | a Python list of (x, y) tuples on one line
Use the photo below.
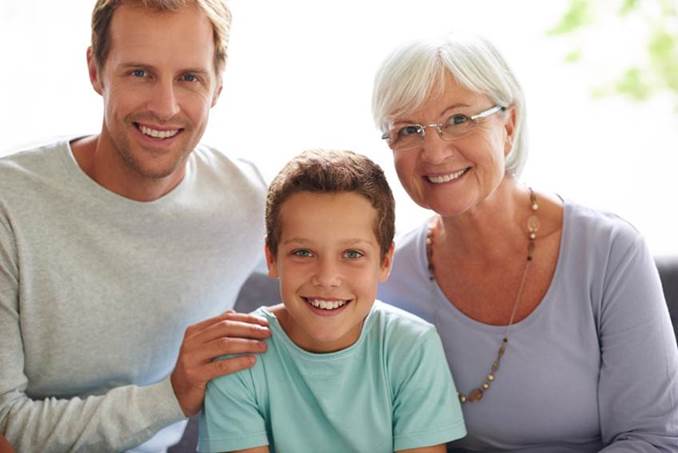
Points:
[(668, 273)]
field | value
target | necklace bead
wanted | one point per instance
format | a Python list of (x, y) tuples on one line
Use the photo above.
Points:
[(532, 228)]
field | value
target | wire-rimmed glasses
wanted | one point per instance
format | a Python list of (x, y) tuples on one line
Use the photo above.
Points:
[(412, 135)]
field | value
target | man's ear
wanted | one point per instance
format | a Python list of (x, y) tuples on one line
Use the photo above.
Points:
[(217, 92), (93, 69), (387, 264), (271, 263)]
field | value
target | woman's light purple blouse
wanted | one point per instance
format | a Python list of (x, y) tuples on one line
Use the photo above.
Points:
[(594, 365)]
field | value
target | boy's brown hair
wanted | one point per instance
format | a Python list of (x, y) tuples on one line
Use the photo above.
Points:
[(216, 11), (321, 171)]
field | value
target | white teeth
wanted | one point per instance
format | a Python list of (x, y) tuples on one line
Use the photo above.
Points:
[(446, 178), (326, 304), (158, 134)]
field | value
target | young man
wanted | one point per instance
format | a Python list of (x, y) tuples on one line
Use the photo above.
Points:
[(342, 372), (112, 244)]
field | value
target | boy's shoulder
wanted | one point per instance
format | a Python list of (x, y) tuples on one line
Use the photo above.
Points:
[(396, 326)]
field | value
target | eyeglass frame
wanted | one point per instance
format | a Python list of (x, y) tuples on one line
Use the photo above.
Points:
[(439, 126)]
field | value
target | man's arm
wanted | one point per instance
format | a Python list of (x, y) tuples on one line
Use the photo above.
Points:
[(230, 333), (124, 416)]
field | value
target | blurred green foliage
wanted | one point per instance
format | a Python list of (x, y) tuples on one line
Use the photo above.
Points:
[(657, 72)]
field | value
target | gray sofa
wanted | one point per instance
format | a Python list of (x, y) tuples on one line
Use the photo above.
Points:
[(259, 289)]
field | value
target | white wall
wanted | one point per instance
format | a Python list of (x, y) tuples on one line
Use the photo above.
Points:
[(300, 73)]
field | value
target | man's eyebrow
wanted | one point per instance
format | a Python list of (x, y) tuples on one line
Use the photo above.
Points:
[(135, 65)]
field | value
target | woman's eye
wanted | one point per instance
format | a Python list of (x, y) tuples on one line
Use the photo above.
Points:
[(457, 119), (410, 130), (304, 253), (353, 254)]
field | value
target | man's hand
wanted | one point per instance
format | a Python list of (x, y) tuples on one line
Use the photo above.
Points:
[(230, 333)]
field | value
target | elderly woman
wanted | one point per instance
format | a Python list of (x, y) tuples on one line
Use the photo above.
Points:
[(552, 314)]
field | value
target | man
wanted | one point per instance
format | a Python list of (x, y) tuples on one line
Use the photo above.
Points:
[(111, 245)]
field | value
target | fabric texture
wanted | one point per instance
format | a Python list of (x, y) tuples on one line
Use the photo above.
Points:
[(594, 366), (96, 291), (391, 390)]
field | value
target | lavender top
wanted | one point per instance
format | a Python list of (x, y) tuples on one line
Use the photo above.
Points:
[(594, 366)]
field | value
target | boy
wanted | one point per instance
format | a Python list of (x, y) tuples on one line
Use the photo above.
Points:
[(342, 372)]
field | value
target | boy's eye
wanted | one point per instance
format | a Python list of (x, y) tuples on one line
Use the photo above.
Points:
[(353, 254), (305, 253), (138, 73)]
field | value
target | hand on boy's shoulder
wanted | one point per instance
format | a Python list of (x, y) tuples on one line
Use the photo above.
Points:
[(228, 333)]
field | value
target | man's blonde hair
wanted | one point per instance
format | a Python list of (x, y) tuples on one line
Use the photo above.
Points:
[(216, 11)]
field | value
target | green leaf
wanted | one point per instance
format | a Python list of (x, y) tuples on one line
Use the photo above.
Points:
[(633, 85), (663, 51), (577, 16), (573, 56), (628, 6)]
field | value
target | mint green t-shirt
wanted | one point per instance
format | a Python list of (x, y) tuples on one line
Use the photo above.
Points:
[(389, 391)]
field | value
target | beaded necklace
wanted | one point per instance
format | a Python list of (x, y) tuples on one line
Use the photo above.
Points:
[(532, 228)]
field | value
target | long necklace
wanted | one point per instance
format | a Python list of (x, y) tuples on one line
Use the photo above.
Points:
[(532, 228)]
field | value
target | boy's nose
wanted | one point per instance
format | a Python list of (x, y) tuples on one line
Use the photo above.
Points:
[(327, 274)]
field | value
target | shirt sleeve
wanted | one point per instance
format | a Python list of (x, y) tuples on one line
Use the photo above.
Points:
[(231, 418), (426, 409), (638, 385), (122, 418)]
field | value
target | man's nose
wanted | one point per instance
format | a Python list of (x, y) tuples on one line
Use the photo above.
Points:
[(164, 103)]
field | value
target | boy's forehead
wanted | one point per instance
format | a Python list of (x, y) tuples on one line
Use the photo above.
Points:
[(343, 216)]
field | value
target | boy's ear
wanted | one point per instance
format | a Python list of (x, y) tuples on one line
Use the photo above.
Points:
[(270, 263), (387, 264)]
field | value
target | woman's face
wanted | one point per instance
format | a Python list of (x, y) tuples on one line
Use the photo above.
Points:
[(451, 177)]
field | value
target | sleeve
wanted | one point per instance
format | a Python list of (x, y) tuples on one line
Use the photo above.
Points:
[(638, 384), (231, 419), (120, 419), (426, 409)]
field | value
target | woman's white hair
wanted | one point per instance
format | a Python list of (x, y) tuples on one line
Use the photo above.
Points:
[(416, 70)]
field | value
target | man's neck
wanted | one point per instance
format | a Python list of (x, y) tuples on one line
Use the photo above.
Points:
[(108, 169)]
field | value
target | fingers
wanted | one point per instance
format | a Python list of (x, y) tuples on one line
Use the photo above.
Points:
[(230, 365), (223, 346), (241, 320), (229, 328)]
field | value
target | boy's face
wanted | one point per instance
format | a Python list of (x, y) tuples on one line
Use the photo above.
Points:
[(329, 265)]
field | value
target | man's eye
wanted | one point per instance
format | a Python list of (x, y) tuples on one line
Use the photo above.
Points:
[(304, 253), (410, 130), (189, 77), (353, 254), (138, 73), (457, 119)]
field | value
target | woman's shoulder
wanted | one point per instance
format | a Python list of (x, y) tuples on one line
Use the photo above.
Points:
[(598, 230)]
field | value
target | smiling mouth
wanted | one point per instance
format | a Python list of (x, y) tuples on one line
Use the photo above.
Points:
[(441, 179), (326, 304), (156, 133)]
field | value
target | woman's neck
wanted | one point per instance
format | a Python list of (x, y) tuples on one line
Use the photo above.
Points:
[(497, 226)]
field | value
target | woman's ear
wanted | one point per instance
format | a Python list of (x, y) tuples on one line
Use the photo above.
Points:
[(509, 129)]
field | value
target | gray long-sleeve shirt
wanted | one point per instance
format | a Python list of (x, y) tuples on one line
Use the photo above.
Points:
[(594, 366), (96, 291)]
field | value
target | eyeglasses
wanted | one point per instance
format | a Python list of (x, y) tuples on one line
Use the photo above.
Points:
[(457, 125)]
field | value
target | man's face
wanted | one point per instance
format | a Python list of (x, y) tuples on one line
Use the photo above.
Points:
[(329, 264), (158, 83)]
